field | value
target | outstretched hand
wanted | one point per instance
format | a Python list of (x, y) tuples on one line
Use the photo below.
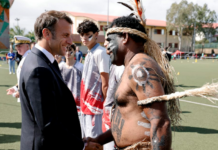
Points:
[(10, 91)]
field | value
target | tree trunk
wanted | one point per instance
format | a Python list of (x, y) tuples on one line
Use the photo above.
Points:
[(180, 37)]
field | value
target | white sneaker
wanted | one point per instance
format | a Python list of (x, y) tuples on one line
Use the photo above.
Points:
[(9, 72)]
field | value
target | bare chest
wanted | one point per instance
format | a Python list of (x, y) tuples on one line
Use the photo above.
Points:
[(124, 93)]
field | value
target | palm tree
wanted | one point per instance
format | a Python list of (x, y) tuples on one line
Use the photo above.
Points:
[(16, 31), (31, 35)]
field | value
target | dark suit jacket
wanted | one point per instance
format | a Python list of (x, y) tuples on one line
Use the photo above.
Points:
[(49, 115)]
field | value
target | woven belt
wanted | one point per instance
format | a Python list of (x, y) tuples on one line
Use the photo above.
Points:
[(137, 146)]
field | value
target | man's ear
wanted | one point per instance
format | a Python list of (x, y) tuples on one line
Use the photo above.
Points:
[(125, 38), (46, 34), (96, 35)]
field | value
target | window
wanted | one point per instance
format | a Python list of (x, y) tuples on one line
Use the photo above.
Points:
[(176, 45), (161, 45), (162, 31), (173, 32), (170, 44), (157, 31), (101, 28)]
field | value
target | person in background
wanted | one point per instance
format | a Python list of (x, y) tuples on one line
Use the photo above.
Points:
[(114, 78), (6, 57), (167, 54), (18, 58), (95, 79), (11, 58), (22, 45), (59, 60), (79, 55), (71, 72)]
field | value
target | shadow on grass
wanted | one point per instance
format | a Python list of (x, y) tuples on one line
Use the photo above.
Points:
[(9, 138), (185, 112), (16, 125), (6, 85), (186, 86), (195, 129), (10, 104)]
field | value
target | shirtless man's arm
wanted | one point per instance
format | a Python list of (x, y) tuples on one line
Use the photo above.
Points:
[(145, 82)]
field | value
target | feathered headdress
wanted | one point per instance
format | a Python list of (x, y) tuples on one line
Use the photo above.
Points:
[(138, 10)]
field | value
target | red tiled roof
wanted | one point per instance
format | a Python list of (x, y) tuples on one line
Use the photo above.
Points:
[(158, 23), (96, 17), (215, 25)]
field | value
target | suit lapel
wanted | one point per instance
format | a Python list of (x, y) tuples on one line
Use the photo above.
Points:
[(42, 55)]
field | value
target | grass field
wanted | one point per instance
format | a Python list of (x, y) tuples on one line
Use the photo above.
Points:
[(199, 128)]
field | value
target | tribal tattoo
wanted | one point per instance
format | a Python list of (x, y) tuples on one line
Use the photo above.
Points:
[(164, 142), (151, 114), (117, 124), (143, 76)]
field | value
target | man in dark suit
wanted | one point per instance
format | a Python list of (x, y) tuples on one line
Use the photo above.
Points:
[(49, 115)]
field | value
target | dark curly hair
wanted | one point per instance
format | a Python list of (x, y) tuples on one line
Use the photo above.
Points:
[(129, 22), (73, 46), (87, 26)]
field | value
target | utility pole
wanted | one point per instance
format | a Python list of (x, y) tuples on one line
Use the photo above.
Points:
[(107, 12)]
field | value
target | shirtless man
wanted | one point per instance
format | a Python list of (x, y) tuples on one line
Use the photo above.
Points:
[(142, 78)]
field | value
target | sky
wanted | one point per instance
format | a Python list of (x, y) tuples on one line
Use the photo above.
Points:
[(28, 10)]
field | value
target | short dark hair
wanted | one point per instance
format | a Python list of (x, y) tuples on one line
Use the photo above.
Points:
[(73, 46), (48, 20), (87, 26), (166, 48), (129, 22)]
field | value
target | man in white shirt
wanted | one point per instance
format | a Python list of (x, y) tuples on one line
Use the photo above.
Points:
[(22, 45), (49, 114), (95, 79)]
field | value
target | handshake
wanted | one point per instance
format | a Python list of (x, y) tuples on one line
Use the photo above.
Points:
[(91, 144)]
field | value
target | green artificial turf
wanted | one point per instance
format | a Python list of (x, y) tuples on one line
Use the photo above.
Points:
[(10, 112), (199, 128)]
